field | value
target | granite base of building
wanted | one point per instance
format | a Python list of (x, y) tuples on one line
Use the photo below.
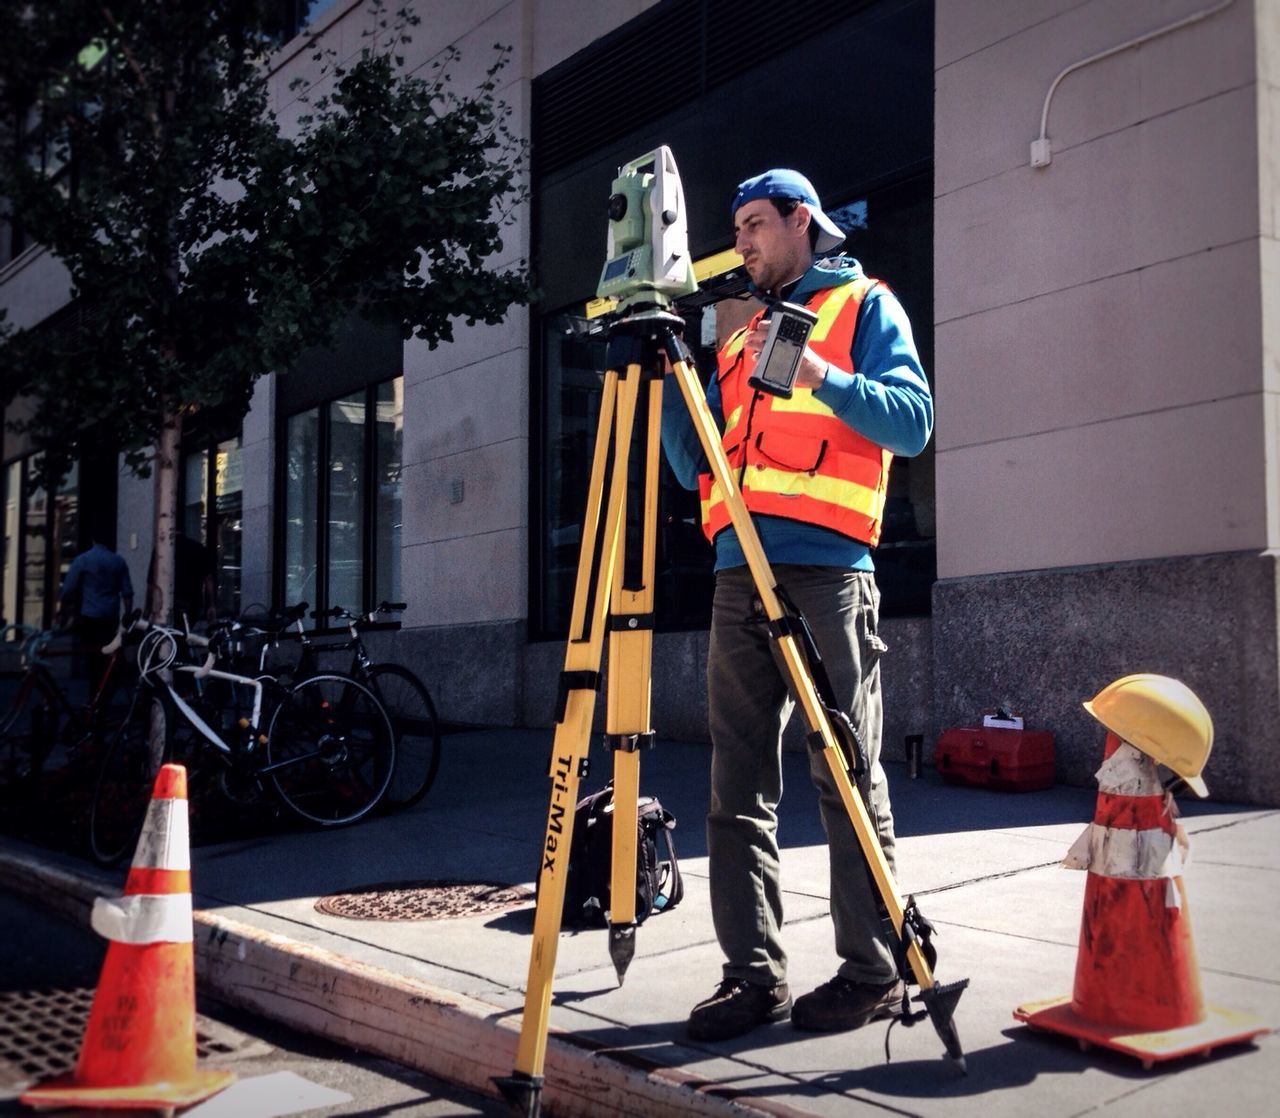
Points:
[(1042, 642)]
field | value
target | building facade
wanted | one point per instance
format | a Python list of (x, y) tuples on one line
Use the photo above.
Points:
[(1097, 316)]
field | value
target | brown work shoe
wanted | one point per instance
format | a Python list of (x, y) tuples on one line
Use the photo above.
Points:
[(737, 1007), (842, 1004)]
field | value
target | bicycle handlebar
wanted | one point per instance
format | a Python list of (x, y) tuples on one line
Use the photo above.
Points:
[(347, 615), (275, 623)]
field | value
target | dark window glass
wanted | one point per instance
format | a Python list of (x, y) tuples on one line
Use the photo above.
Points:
[(345, 519), (42, 534), (891, 232), (389, 433), (301, 505), (226, 527), (341, 503), (210, 517), (12, 519)]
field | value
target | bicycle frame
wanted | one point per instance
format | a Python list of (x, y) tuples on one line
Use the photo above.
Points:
[(311, 652), (193, 716), (37, 676)]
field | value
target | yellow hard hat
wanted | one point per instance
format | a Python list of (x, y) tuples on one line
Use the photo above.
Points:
[(1163, 718)]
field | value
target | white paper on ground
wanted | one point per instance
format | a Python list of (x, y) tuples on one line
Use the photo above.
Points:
[(267, 1096)]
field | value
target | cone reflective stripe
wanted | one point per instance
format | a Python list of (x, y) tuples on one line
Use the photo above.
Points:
[(1134, 834), (143, 919), (156, 907), (139, 1047), (1137, 982)]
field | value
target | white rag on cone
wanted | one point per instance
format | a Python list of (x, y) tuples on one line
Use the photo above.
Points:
[(1143, 855), (143, 918)]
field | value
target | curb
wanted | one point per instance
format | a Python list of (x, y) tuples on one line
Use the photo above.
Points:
[(421, 1026)]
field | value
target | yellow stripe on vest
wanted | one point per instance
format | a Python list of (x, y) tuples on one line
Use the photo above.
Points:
[(836, 491), (830, 310), (802, 400), (847, 494)]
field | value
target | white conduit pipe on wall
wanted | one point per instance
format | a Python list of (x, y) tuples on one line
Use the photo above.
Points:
[(1041, 152)]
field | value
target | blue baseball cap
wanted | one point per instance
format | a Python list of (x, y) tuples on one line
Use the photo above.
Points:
[(784, 183)]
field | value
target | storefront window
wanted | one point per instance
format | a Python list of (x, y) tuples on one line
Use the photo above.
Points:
[(226, 529), (12, 480), (41, 537), (389, 435), (347, 480), (342, 503), (301, 505), (212, 506)]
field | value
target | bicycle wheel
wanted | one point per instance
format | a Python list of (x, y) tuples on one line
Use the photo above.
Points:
[(125, 778), (330, 750), (413, 718), (29, 728)]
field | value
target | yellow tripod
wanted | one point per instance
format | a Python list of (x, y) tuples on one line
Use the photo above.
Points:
[(612, 596)]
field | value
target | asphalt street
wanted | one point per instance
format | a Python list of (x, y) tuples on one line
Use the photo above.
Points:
[(48, 971)]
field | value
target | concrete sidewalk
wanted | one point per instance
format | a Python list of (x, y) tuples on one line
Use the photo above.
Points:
[(445, 995)]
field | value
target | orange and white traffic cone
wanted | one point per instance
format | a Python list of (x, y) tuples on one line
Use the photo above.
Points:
[(1137, 983), (139, 1047)]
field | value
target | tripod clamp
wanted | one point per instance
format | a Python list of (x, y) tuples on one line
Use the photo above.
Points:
[(792, 623)]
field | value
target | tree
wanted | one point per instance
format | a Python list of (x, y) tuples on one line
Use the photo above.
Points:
[(205, 247)]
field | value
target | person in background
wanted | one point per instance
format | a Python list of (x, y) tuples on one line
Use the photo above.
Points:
[(93, 593), (193, 589)]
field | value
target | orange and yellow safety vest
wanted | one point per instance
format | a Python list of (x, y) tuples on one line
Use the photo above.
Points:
[(795, 457)]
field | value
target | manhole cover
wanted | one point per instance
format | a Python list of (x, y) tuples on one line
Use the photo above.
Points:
[(424, 900)]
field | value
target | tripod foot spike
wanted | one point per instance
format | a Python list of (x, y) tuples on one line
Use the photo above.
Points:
[(522, 1092), (940, 1001), (622, 948)]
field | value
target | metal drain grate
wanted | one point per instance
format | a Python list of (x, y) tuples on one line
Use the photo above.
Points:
[(424, 900), (41, 1030)]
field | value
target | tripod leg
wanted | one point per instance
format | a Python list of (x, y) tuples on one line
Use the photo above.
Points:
[(630, 671), (939, 1002), (597, 568)]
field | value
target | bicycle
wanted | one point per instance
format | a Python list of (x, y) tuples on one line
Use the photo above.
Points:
[(326, 755), (39, 722), (405, 696)]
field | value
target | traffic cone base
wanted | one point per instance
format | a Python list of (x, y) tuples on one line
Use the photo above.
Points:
[(139, 1046), (150, 1096), (1219, 1027)]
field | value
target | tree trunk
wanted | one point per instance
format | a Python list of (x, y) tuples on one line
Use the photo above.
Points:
[(160, 590)]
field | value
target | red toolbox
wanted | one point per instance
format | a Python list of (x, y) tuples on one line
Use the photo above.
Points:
[(995, 757)]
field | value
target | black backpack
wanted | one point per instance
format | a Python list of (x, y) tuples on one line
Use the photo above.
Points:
[(658, 882)]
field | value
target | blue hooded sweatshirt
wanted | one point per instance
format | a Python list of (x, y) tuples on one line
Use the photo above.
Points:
[(883, 395)]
